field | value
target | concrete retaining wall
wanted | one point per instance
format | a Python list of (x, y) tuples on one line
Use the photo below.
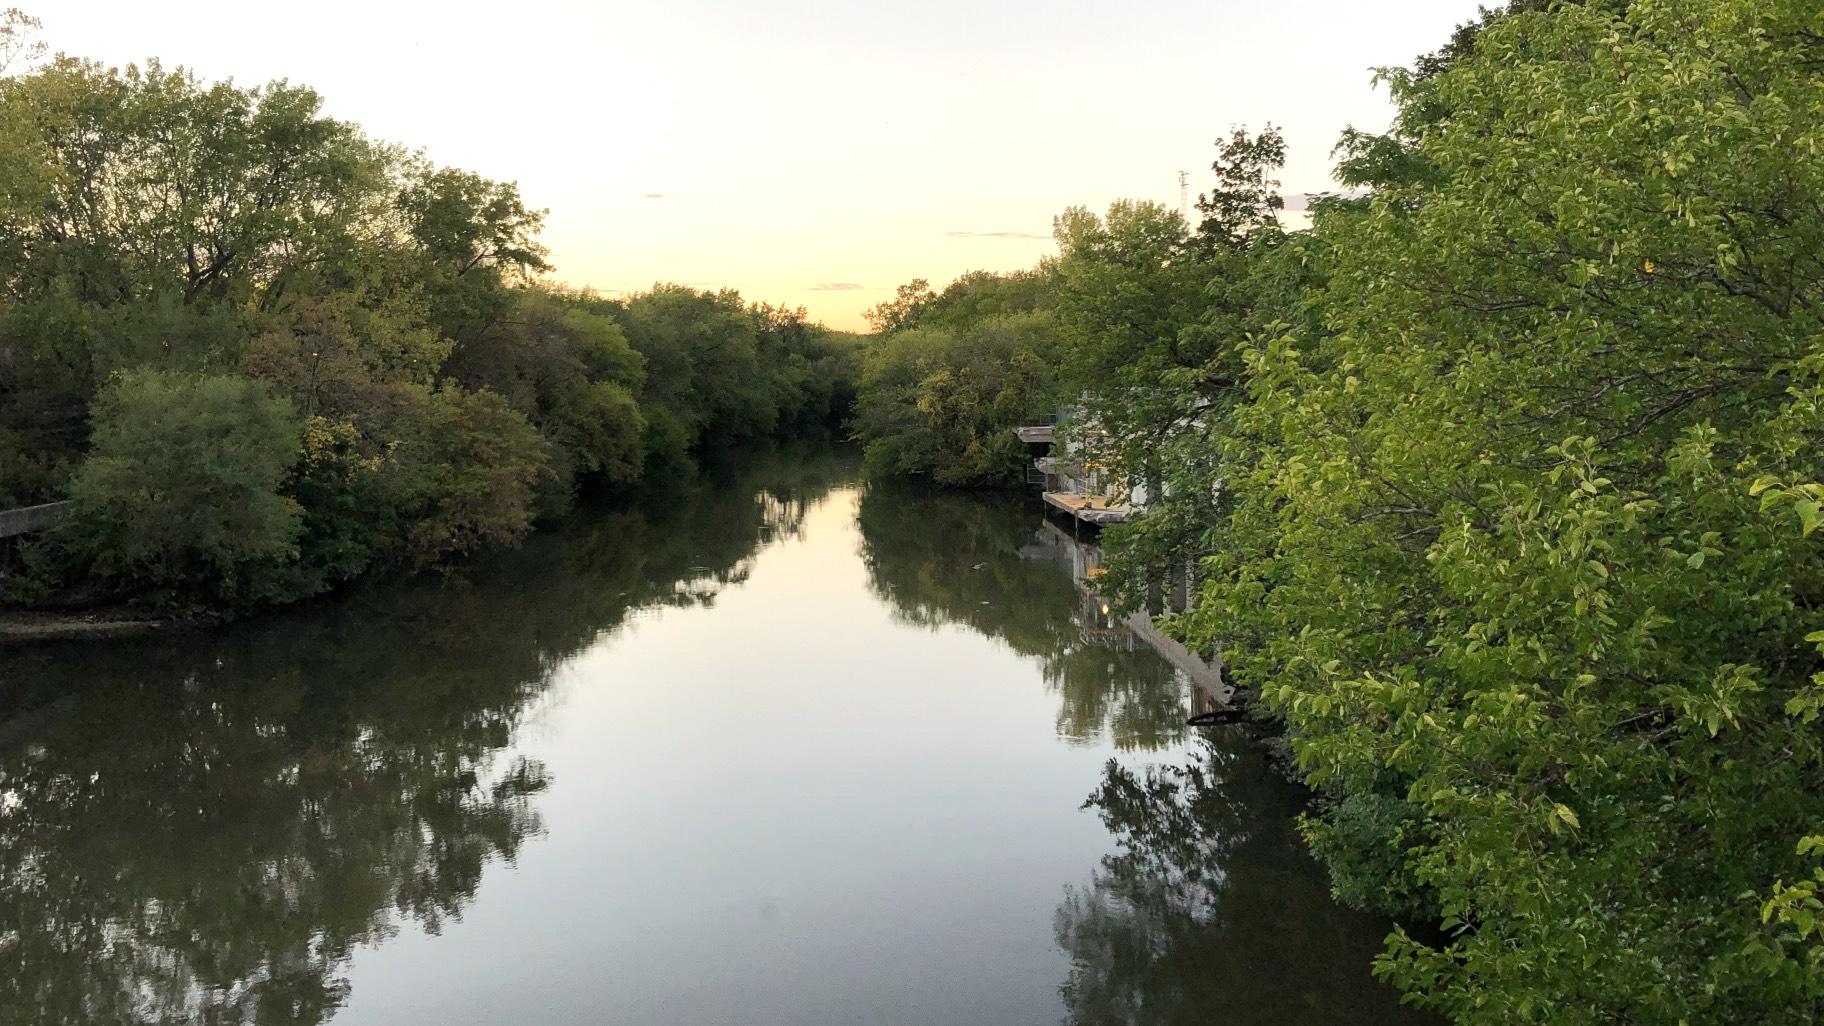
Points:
[(27, 519)]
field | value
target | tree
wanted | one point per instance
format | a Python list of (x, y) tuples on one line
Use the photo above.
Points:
[(943, 403), (703, 373), (1245, 203), (18, 38), (1158, 324), (562, 360), (902, 311), (464, 472), (182, 488), (472, 237), (1521, 524), (152, 221)]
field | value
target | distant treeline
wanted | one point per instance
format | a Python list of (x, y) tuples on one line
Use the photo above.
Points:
[(263, 353), (1505, 476)]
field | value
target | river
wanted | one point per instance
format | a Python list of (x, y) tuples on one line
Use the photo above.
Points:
[(770, 747)]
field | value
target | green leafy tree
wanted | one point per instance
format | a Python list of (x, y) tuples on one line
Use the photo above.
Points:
[(903, 310), (471, 239), (465, 472), (1156, 320), (561, 359), (702, 361), (948, 376), (155, 222), (1519, 529), (182, 488), (811, 369), (943, 403)]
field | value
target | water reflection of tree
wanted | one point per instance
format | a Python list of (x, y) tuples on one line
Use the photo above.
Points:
[(1209, 911), (202, 829), (941, 558)]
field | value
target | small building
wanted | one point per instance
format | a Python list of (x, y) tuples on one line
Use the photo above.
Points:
[(1071, 478)]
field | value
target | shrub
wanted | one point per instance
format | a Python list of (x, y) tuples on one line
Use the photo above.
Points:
[(181, 490)]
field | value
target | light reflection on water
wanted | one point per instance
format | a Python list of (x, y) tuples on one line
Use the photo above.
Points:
[(769, 748)]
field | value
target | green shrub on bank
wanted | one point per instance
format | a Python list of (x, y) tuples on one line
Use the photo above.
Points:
[(181, 492)]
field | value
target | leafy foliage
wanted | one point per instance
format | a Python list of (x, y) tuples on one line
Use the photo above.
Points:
[(182, 488), (940, 395), (1520, 523), (154, 224)]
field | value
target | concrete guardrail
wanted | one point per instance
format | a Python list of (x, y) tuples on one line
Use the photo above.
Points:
[(28, 519)]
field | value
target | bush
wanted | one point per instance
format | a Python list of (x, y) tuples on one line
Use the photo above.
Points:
[(1363, 839), (468, 468), (181, 490)]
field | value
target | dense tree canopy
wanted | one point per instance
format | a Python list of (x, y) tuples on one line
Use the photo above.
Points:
[(1517, 533), (182, 485), (230, 248), (1504, 475), (948, 376)]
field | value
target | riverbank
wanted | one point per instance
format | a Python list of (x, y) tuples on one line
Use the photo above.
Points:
[(72, 619), (103, 624)]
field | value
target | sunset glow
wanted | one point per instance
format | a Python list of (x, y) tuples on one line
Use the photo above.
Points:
[(806, 152)]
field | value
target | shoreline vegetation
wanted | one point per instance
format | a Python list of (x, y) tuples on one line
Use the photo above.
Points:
[(20, 626), (1501, 471), (1502, 477), (263, 354)]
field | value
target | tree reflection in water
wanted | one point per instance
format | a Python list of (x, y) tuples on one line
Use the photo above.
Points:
[(943, 558), (202, 829), (1209, 910)]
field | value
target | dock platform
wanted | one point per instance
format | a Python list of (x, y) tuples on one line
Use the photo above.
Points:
[(1091, 509)]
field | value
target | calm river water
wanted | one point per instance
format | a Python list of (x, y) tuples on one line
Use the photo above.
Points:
[(772, 748)]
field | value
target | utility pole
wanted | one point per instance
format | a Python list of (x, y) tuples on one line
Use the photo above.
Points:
[(1184, 196)]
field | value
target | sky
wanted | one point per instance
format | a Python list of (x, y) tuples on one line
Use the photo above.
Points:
[(812, 153)]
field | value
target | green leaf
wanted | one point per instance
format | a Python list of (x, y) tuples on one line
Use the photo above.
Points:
[(1810, 515)]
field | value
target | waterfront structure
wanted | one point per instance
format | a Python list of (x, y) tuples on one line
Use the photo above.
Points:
[(1072, 478), (1075, 483)]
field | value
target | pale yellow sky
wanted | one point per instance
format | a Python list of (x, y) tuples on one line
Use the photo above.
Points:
[(807, 152)]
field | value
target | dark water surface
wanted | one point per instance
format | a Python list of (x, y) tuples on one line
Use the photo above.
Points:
[(774, 748)]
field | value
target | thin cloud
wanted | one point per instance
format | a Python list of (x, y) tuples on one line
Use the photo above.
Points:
[(835, 286), (994, 235)]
